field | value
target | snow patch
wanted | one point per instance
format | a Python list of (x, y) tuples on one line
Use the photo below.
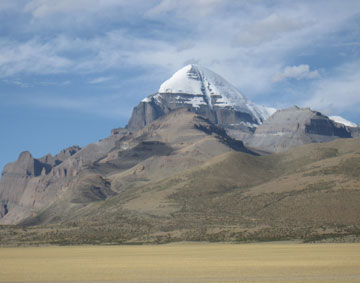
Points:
[(146, 99), (343, 121), (196, 101), (183, 81), (157, 97)]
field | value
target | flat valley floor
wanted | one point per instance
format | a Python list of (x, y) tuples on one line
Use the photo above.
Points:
[(183, 262)]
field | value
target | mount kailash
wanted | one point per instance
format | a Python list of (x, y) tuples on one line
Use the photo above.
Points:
[(187, 153)]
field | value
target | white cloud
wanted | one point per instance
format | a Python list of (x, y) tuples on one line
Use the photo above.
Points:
[(267, 29), (17, 83), (30, 57), (189, 9), (296, 72), (337, 93), (100, 80), (245, 41), (44, 8), (53, 83), (41, 8)]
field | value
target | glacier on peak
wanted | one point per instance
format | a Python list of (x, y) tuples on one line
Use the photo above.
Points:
[(209, 88), (343, 121)]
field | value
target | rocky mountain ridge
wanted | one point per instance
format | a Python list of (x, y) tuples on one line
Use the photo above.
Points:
[(23, 182), (198, 152), (29, 185), (308, 193), (204, 92)]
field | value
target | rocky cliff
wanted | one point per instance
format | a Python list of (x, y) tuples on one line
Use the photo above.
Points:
[(22, 181), (293, 127)]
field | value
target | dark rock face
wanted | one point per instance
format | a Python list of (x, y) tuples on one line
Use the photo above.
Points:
[(293, 127), (25, 166), (321, 125), (119, 131), (239, 132), (159, 105), (60, 157), (144, 114), (3, 209), (210, 129), (16, 176)]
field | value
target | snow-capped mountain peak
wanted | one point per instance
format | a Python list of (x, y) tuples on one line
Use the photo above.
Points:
[(197, 80), (203, 92), (208, 88), (343, 121)]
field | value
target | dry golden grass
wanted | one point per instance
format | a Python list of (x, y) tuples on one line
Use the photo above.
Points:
[(189, 262)]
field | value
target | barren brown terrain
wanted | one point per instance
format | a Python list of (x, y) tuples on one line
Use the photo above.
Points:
[(184, 262), (310, 193)]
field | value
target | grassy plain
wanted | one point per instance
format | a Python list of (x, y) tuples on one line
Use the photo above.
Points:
[(183, 262)]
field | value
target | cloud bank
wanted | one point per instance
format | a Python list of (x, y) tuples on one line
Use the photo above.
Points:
[(296, 72), (338, 93), (259, 46)]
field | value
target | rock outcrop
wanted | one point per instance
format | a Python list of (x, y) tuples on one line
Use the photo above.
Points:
[(16, 175), (293, 127), (22, 181), (60, 157)]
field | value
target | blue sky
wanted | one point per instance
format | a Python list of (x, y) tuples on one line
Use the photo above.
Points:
[(71, 70)]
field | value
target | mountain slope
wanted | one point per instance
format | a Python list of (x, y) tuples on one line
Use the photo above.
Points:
[(309, 192), (292, 194), (177, 141)]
